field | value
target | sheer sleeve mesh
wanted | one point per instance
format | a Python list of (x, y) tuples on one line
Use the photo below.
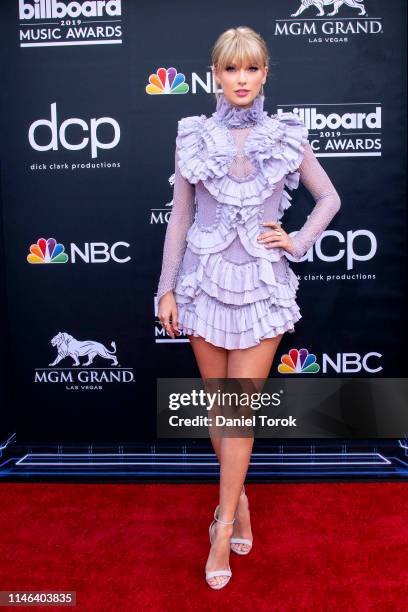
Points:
[(180, 220), (327, 203)]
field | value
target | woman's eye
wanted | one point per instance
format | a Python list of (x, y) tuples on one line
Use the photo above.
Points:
[(252, 68)]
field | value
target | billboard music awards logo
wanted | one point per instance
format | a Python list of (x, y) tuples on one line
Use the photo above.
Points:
[(328, 21), (352, 129), (51, 23), (76, 373), (302, 362), (49, 251)]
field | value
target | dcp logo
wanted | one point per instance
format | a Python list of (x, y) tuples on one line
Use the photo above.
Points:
[(366, 251), (58, 135)]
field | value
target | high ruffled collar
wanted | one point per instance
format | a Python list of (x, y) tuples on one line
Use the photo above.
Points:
[(236, 117)]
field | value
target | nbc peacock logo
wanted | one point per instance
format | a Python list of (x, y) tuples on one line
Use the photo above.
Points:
[(298, 362), (47, 251), (167, 81)]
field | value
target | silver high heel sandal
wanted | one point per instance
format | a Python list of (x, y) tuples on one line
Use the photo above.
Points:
[(248, 543), (223, 572)]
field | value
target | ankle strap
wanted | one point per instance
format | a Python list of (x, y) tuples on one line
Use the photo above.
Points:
[(225, 522)]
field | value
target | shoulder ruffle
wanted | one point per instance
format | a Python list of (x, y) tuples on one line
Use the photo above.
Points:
[(277, 146), (295, 137), (203, 151)]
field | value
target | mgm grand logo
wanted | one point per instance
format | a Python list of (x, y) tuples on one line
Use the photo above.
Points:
[(323, 21), (320, 4), (78, 375)]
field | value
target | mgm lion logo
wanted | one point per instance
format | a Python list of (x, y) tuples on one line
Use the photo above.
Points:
[(319, 4), (67, 346)]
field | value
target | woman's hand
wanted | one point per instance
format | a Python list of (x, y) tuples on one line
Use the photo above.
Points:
[(275, 238), (168, 311)]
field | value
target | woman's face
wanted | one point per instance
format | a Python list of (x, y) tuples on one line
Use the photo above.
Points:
[(241, 84)]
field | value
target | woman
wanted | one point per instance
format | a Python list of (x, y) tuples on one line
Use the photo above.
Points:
[(225, 279)]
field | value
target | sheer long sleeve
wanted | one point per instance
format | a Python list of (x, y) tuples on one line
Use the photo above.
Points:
[(180, 220), (327, 203)]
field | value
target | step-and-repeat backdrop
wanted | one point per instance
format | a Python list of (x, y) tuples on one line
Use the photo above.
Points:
[(91, 96)]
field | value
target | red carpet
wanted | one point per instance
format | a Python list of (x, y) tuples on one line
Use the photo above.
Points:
[(126, 547)]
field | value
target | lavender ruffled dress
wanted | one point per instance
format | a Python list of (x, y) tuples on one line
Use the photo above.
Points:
[(231, 172)]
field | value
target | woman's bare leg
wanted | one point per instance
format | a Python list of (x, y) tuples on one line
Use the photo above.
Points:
[(255, 363), (233, 453), (212, 363)]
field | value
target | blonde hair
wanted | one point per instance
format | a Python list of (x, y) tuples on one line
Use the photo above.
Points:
[(242, 45)]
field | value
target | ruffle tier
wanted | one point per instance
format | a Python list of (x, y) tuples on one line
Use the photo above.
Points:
[(232, 221), (236, 328), (275, 146), (237, 284), (236, 305)]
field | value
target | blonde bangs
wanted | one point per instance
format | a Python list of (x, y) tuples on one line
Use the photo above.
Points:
[(241, 46)]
